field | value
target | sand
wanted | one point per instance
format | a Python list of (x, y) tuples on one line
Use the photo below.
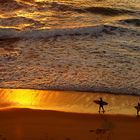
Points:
[(28, 124)]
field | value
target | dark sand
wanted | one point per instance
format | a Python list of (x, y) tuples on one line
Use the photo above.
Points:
[(28, 124)]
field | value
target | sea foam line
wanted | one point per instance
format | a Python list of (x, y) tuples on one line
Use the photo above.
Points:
[(43, 33)]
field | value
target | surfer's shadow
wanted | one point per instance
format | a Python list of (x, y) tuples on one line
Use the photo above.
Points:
[(102, 134), (105, 131)]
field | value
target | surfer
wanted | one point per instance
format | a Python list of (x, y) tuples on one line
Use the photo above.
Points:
[(138, 108), (101, 105)]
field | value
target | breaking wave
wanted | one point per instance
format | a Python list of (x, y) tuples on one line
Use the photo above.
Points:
[(110, 11), (6, 5), (133, 21), (43, 33), (30, 19)]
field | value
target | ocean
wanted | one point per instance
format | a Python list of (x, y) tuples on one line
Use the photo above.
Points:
[(80, 45)]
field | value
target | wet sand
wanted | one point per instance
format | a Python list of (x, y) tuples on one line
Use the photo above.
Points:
[(69, 101)]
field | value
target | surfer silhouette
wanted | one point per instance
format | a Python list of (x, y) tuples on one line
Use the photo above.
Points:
[(101, 104), (138, 108)]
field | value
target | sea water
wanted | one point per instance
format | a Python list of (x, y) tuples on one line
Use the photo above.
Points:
[(84, 45)]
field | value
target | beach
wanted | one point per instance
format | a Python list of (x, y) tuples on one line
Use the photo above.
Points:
[(58, 58), (63, 115), (28, 124)]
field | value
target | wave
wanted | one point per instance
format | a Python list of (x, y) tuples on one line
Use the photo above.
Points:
[(13, 5), (110, 11), (43, 33), (7, 5), (10, 5), (11, 32), (134, 22), (13, 21)]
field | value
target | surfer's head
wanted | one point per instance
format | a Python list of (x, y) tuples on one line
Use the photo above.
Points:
[(101, 98)]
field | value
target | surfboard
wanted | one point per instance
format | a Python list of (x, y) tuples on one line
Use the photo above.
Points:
[(98, 102)]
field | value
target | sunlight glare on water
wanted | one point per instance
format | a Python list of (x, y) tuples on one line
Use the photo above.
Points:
[(44, 14), (66, 101)]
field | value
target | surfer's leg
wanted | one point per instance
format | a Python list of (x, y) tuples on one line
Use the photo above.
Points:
[(138, 111), (99, 109), (103, 109)]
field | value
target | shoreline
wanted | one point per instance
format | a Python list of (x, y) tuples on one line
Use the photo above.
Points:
[(75, 90)]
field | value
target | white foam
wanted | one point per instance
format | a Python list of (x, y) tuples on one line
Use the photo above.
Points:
[(9, 32)]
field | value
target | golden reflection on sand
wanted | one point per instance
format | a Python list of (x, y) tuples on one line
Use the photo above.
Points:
[(18, 97), (68, 101), (22, 97)]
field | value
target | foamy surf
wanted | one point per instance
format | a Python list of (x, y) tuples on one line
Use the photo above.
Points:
[(77, 45), (8, 33), (44, 33)]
